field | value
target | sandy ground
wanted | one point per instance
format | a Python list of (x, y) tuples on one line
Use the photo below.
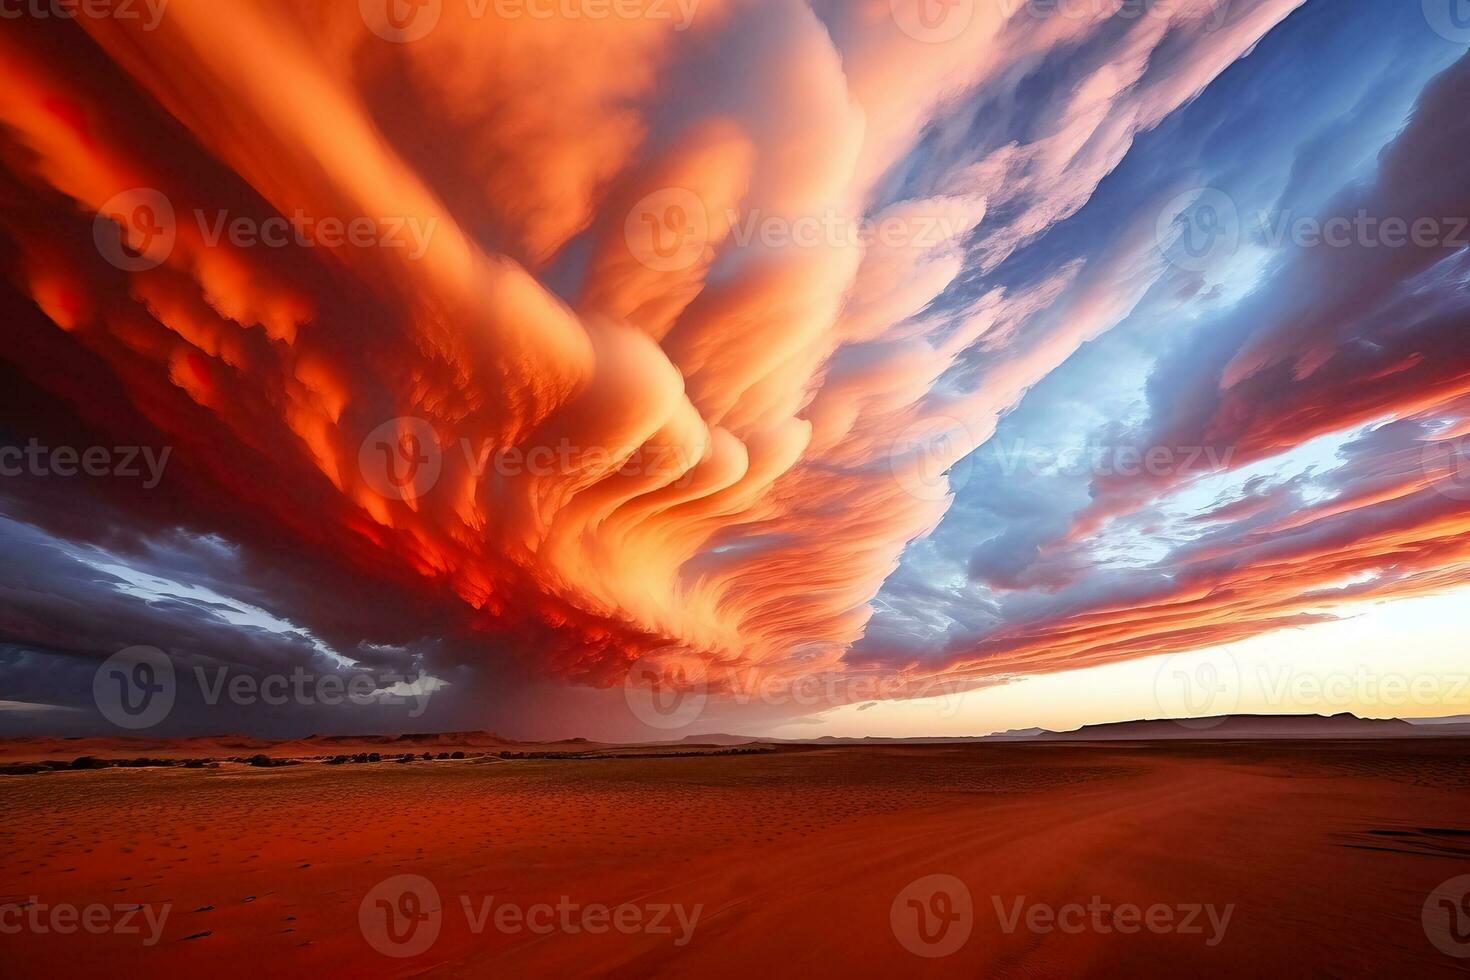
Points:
[(1109, 860)]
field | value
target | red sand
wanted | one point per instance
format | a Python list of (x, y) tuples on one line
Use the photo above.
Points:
[(796, 858)]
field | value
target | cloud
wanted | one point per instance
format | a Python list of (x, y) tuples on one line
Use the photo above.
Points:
[(648, 341), (1359, 343)]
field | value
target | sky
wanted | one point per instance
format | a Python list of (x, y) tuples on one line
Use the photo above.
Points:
[(793, 367)]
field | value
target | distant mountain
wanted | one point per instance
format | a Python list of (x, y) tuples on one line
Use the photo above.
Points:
[(1240, 727), (1252, 727), (1020, 733), (1187, 729), (716, 740)]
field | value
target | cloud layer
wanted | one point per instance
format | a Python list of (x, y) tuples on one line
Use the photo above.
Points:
[(521, 349)]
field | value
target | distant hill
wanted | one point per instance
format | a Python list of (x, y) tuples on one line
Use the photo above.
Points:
[(1240, 727), (1250, 727), (716, 740), (1164, 729)]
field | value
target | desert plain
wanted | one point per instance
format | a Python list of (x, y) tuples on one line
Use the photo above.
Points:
[(1222, 858)]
